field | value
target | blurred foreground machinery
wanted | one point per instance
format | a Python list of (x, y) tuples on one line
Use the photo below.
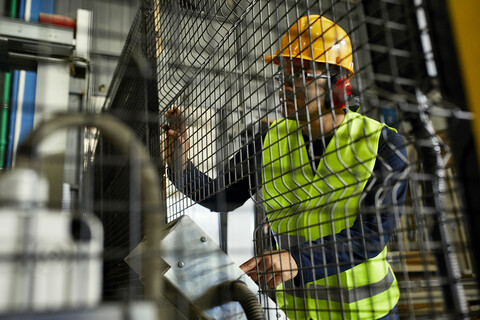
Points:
[(51, 261)]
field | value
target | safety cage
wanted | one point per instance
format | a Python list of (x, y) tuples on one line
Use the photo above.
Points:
[(203, 158)]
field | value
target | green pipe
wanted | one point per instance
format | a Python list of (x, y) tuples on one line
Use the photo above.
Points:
[(4, 117), (13, 9), (6, 99)]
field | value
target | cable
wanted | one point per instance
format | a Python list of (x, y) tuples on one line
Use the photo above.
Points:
[(237, 290)]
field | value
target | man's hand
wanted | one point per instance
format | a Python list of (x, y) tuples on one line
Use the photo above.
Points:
[(272, 268), (176, 142)]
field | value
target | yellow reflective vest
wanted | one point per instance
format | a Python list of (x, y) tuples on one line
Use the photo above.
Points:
[(301, 203)]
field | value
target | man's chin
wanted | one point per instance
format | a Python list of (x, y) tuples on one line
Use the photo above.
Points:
[(294, 115), (289, 110)]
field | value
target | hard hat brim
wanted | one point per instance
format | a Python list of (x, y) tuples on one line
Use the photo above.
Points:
[(316, 38), (272, 59)]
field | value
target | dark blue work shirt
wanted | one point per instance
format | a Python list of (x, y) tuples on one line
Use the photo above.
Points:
[(380, 204)]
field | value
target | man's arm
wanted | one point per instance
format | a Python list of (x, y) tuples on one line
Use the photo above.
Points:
[(213, 194), (373, 227), (271, 268), (234, 185)]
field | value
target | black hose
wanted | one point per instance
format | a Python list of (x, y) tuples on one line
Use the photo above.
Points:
[(238, 291)]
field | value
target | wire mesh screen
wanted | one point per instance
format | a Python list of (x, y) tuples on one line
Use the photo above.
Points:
[(131, 98), (326, 122), (330, 127), (328, 115)]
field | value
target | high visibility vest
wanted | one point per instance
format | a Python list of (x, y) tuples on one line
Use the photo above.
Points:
[(308, 205)]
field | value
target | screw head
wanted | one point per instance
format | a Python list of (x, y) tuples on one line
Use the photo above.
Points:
[(181, 264), (203, 239)]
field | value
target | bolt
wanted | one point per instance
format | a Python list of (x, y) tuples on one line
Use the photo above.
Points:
[(181, 264), (203, 239)]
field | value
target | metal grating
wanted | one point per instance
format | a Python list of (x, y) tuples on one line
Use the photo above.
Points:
[(333, 204), (131, 98), (211, 68)]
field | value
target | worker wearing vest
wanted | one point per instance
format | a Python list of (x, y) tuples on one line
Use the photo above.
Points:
[(330, 259), (312, 205), (301, 203)]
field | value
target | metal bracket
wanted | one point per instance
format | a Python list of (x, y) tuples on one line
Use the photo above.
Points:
[(195, 267)]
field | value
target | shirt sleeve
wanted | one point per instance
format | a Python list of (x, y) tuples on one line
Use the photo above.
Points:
[(380, 209), (234, 185)]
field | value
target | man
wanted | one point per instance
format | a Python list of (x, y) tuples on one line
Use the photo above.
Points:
[(330, 180)]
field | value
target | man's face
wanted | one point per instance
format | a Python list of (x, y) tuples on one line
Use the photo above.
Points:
[(304, 88)]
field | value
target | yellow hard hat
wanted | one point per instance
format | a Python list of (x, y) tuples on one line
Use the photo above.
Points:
[(316, 38)]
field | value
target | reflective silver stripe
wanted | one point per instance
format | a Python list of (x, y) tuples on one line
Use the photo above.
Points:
[(341, 294)]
